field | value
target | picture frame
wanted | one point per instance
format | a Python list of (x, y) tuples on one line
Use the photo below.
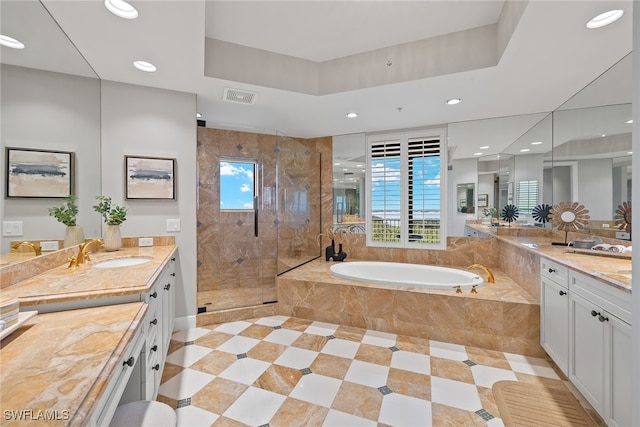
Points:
[(463, 203), (36, 173), (483, 200), (150, 178)]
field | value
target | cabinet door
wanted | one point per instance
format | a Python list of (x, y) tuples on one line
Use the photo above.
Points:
[(554, 317), (619, 393), (587, 350)]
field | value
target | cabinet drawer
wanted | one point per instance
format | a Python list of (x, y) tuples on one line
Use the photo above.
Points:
[(615, 301), (554, 271)]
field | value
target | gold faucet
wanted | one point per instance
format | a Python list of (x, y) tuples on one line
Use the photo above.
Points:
[(83, 255), (490, 278), (36, 248)]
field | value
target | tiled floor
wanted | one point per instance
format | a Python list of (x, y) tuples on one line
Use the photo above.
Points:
[(282, 371)]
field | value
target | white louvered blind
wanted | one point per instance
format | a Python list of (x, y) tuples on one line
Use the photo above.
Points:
[(407, 194), (527, 196), (424, 190), (386, 187)]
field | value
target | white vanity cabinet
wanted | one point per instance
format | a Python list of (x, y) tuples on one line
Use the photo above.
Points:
[(158, 327), (600, 346), (554, 312), (159, 324)]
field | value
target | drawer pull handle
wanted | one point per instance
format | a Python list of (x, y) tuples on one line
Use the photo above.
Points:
[(156, 367), (562, 293), (167, 286), (154, 322), (173, 259), (154, 295), (603, 318), (594, 313), (154, 348), (552, 270), (173, 274), (129, 362)]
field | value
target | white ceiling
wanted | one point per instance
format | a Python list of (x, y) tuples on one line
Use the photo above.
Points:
[(550, 56)]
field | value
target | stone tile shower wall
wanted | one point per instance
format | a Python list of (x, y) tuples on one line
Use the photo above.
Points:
[(236, 269)]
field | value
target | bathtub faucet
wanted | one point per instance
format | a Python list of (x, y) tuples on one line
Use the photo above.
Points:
[(490, 278)]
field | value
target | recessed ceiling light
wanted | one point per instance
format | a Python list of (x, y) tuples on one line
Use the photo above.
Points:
[(121, 8), (352, 115), (484, 147), (536, 143), (10, 42), (198, 115), (336, 164), (629, 152), (603, 135), (144, 66), (358, 166), (454, 101), (525, 150), (629, 121), (605, 18), (477, 154), (498, 156)]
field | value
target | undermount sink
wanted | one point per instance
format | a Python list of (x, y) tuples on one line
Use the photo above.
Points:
[(122, 262)]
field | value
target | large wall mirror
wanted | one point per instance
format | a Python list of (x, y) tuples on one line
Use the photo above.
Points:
[(50, 100)]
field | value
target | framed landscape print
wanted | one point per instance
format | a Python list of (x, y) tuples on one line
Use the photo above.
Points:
[(483, 200), (39, 173), (150, 178)]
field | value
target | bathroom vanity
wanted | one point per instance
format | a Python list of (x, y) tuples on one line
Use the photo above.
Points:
[(586, 329), (100, 339)]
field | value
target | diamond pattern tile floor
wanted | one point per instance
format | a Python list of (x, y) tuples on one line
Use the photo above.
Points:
[(285, 371)]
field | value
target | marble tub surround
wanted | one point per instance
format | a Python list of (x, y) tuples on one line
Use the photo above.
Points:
[(68, 374), (501, 316), (84, 282), (460, 251)]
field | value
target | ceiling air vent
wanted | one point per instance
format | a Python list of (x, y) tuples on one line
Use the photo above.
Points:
[(239, 96)]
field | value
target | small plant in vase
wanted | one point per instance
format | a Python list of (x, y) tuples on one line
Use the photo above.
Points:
[(113, 215), (66, 214)]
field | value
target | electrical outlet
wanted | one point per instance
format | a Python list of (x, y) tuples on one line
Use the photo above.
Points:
[(12, 228), (145, 241), (49, 246), (173, 225)]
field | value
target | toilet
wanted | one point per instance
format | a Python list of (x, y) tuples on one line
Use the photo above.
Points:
[(144, 414)]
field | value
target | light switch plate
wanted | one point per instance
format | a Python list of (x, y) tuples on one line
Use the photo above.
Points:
[(12, 228), (49, 246), (145, 241), (173, 225)]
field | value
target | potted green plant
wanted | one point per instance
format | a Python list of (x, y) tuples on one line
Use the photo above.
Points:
[(112, 215), (67, 214)]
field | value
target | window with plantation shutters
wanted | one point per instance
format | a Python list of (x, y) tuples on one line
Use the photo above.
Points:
[(527, 196), (406, 201)]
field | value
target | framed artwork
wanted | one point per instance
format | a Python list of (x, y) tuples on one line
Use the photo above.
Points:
[(483, 200), (39, 173), (150, 178), (463, 203)]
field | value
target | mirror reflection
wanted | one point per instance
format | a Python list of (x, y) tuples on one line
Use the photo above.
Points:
[(349, 185), (50, 100), (466, 198)]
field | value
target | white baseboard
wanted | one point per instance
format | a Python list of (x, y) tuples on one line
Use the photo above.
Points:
[(181, 323)]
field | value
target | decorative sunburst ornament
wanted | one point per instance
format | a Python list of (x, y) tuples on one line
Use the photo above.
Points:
[(540, 213), (623, 217), (568, 216), (510, 213)]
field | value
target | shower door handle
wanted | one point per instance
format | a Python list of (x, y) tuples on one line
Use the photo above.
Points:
[(255, 216)]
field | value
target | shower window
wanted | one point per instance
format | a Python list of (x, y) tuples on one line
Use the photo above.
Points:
[(237, 184)]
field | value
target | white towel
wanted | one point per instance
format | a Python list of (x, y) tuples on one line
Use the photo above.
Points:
[(601, 247)]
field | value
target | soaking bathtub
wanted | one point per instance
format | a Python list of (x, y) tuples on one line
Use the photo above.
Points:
[(406, 275)]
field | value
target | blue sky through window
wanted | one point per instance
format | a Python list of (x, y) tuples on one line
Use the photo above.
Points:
[(386, 184), (237, 185)]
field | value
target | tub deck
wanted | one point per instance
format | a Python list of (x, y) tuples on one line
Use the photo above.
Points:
[(501, 316)]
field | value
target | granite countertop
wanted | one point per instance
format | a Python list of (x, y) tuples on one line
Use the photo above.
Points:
[(613, 271), (61, 362), (63, 284)]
